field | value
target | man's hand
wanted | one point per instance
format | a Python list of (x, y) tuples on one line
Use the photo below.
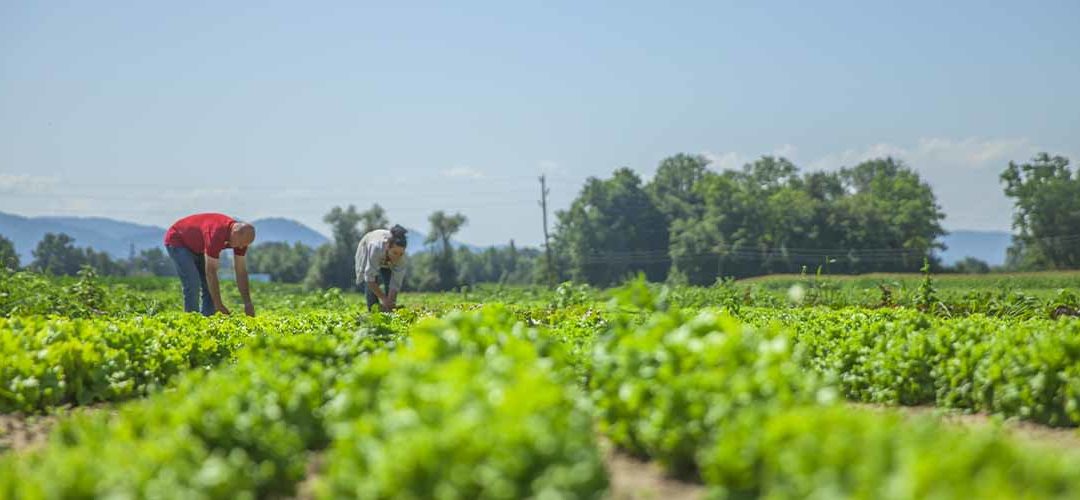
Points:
[(249, 309), (222, 309)]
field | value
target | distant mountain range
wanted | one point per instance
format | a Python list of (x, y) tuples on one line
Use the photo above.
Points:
[(117, 238)]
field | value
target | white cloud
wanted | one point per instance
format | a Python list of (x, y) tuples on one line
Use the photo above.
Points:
[(463, 172), (732, 160), (970, 153), (23, 183), (724, 161), (786, 151), (850, 157)]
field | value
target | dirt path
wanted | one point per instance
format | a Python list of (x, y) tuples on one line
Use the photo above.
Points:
[(20, 432), (1024, 432), (306, 489), (632, 478)]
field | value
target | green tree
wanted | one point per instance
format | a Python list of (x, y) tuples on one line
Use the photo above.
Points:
[(283, 262), (1046, 195), (332, 265), (891, 210), (56, 254), (748, 219), (372, 219), (971, 265), (8, 257), (765, 218), (102, 263), (443, 228), (612, 231), (697, 243), (672, 189), (155, 262)]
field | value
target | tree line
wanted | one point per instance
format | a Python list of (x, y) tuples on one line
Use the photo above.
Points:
[(57, 254), (440, 267), (688, 224)]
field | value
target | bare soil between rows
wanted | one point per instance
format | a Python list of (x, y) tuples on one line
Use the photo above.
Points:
[(20, 432)]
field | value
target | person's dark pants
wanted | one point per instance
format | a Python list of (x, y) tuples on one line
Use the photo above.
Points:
[(191, 267), (384, 280)]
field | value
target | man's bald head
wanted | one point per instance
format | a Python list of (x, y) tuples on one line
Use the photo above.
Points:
[(241, 235)]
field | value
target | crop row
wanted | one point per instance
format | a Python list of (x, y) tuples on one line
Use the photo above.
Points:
[(709, 397), (53, 361), (1028, 369), (470, 406)]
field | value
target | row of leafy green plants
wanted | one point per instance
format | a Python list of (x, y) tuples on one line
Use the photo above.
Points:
[(48, 361), (474, 405), (28, 293), (1029, 369), (87, 295), (733, 405), (51, 361)]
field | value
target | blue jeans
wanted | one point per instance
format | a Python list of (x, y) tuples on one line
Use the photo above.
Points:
[(384, 280), (191, 267)]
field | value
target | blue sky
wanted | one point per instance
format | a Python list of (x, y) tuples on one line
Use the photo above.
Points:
[(146, 112)]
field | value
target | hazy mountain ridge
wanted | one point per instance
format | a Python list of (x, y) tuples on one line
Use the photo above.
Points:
[(117, 237)]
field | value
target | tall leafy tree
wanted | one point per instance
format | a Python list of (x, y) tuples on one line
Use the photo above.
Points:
[(8, 257), (672, 189), (443, 228), (155, 262), (56, 254), (891, 208), (283, 262), (613, 230), (102, 263), (1046, 195), (332, 265), (372, 219), (702, 247), (767, 218)]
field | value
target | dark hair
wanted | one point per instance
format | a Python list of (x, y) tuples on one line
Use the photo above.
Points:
[(397, 236)]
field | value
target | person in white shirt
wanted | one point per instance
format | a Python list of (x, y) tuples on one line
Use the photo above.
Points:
[(380, 260)]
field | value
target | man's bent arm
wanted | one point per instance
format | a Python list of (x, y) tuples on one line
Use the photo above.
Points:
[(242, 283), (214, 285)]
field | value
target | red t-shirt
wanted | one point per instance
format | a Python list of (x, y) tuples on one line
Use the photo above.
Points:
[(202, 234)]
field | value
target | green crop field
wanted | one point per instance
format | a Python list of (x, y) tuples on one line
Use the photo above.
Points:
[(779, 387)]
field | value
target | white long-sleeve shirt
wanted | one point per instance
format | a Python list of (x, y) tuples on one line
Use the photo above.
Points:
[(371, 256)]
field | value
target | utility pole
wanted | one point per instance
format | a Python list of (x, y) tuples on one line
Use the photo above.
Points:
[(547, 241)]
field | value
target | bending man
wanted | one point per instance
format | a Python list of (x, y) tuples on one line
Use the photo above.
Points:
[(195, 244), (380, 260)]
